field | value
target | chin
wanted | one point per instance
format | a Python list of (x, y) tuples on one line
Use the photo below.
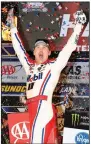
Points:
[(41, 61)]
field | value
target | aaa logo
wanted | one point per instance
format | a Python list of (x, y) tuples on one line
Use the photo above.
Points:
[(20, 131)]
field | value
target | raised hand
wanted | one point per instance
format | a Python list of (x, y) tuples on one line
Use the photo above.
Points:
[(80, 17), (10, 18)]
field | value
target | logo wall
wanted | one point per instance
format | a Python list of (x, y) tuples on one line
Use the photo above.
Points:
[(75, 136), (13, 89), (80, 120), (77, 90), (13, 72), (77, 72), (77, 120)]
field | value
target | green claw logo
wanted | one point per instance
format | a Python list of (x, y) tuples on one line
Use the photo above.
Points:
[(75, 119)]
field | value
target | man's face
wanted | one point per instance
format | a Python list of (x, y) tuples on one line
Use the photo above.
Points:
[(41, 53)]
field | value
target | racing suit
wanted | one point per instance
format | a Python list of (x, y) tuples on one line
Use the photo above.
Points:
[(41, 82)]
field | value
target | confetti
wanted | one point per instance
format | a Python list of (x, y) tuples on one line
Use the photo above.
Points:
[(59, 7), (30, 23), (53, 9), (48, 25), (57, 3), (41, 29), (27, 29), (57, 19), (66, 8), (83, 40), (52, 22), (37, 27)]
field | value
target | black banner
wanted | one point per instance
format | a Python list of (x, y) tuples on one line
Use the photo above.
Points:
[(77, 119)]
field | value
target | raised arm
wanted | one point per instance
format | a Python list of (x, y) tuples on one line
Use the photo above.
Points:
[(65, 54), (17, 43)]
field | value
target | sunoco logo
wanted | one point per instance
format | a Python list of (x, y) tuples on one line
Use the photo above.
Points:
[(20, 131), (82, 138), (75, 119)]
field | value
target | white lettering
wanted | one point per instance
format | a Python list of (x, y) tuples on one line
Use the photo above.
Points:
[(82, 48), (86, 31), (19, 130), (81, 139), (65, 25)]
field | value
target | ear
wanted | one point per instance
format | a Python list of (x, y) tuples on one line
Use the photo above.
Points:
[(34, 52)]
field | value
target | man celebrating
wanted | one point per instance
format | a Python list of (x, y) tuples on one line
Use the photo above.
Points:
[(42, 77)]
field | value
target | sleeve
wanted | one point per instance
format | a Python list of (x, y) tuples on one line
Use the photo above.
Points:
[(19, 49), (65, 54)]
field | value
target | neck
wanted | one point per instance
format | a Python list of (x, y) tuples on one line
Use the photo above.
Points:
[(37, 62)]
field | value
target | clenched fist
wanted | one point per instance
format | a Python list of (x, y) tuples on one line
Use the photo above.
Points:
[(10, 18)]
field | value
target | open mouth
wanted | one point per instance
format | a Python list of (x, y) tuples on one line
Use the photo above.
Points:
[(41, 56)]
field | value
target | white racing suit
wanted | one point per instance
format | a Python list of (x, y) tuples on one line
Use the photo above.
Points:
[(41, 82)]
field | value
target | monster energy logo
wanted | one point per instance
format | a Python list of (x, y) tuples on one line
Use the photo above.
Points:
[(75, 119)]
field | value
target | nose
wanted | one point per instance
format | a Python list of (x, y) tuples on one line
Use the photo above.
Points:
[(41, 49)]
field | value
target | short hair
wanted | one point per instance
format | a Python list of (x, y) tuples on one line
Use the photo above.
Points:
[(42, 40)]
